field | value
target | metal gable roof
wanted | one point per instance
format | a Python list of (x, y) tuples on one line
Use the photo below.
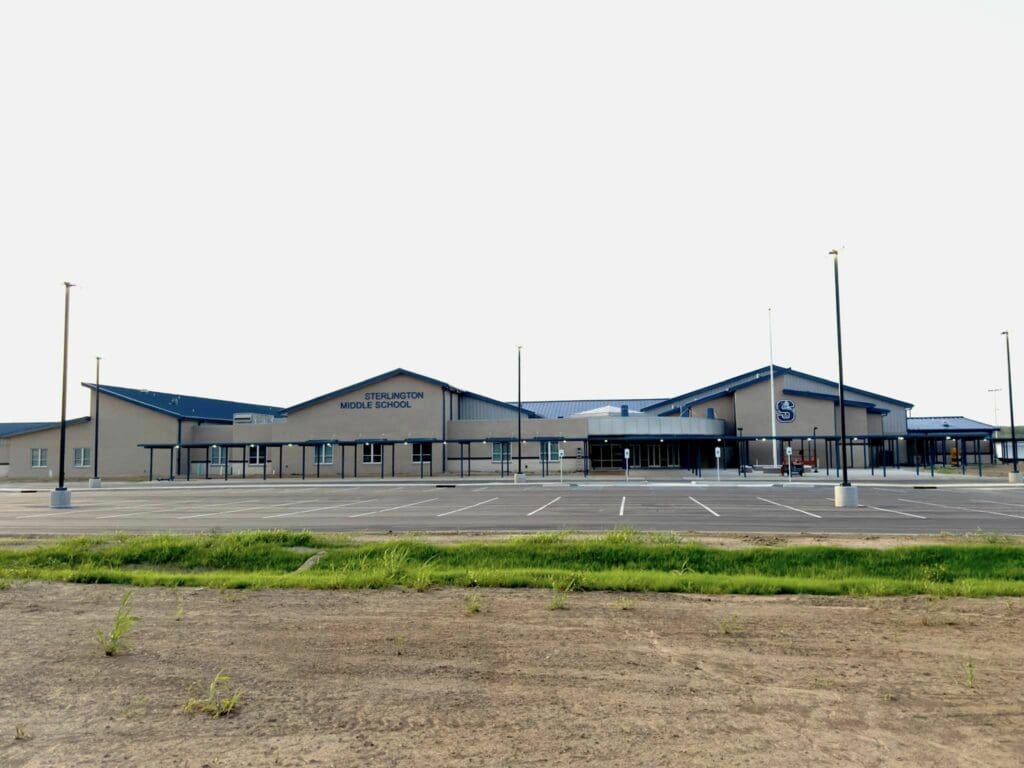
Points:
[(756, 376), (13, 429), (561, 409), (184, 406), (391, 374), (366, 383), (946, 424)]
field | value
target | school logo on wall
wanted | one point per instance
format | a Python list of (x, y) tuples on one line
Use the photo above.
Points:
[(785, 411)]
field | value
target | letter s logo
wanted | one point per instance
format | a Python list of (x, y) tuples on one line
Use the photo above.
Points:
[(785, 411)]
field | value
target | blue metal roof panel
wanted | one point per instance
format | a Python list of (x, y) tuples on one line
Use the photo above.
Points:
[(184, 406), (19, 427), (758, 375), (946, 424), (13, 429), (562, 409)]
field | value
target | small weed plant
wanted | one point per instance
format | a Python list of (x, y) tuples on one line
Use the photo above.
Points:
[(969, 673), (474, 604), (559, 600), (113, 642), (423, 578), (729, 626), (624, 604), (20, 734), (219, 700), (179, 614)]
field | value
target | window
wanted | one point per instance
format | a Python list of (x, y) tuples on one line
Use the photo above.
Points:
[(83, 457), (372, 453), (549, 451), (323, 454), (257, 454), (39, 457), (501, 452), (217, 455), (422, 453)]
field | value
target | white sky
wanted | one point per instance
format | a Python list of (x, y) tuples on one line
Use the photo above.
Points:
[(268, 201)]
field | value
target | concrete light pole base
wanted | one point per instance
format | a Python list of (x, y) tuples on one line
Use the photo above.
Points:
[(518, 479), (847, 496), (1015, 478), (95, 482), (60, 498)]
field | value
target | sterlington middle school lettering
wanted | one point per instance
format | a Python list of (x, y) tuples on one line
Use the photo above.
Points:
[(382, 400)]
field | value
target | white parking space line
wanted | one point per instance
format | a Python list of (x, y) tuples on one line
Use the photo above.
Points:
[(125, 514), (622, 507), (463, 509), (392, 509), (1000, 503), (709, 509), (316, 509), (964, 509), (538, 509), (786, 506), (897, 512), (47, 514), (243, 509)]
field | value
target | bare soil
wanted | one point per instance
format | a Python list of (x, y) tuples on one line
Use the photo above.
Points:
[(399, 678)]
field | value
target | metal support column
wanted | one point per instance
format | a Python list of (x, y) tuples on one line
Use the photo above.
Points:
[(150, 465)]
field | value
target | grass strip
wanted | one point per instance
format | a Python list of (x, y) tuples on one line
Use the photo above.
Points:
[(622, 560)]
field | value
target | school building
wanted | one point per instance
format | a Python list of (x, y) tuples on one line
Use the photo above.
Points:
[(402, 424)]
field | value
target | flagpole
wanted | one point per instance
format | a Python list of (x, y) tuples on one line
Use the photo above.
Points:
[(771, 377)]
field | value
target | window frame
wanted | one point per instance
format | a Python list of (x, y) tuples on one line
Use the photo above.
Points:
[(221, 454), (256, 455), (425, 451), (82, 458), (323, 454), (39, 458), (501, 453), (373, 453), (551, 448)]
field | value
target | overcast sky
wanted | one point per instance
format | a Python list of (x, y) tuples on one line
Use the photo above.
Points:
[(267, 201)]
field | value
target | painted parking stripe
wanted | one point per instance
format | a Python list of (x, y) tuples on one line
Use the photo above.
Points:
[(709, 509), (622, 507), (897, 512), (538, 509), (786, 506), (964, 509), (463, 509), (47, 514), (316, 509), (1000, 503), (125, 514), (392, 509), (243, 509)]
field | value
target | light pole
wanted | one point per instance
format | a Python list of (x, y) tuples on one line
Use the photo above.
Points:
[(814, 447), (60, 497), (94, 482), (1014, 476), (995, 405), (519, 414), (845, 494)]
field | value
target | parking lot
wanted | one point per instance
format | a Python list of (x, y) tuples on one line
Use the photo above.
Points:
[(504, 507)]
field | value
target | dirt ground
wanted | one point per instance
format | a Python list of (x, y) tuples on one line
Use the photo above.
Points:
[(399, 678)]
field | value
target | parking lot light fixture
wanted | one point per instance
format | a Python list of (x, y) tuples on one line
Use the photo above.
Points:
[(845, 494), (60, 497), (1014, 476)]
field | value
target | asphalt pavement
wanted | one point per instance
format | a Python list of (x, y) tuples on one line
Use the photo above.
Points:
[(705, 506)]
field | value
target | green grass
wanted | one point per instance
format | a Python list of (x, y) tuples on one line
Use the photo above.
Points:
[(622, 560)]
